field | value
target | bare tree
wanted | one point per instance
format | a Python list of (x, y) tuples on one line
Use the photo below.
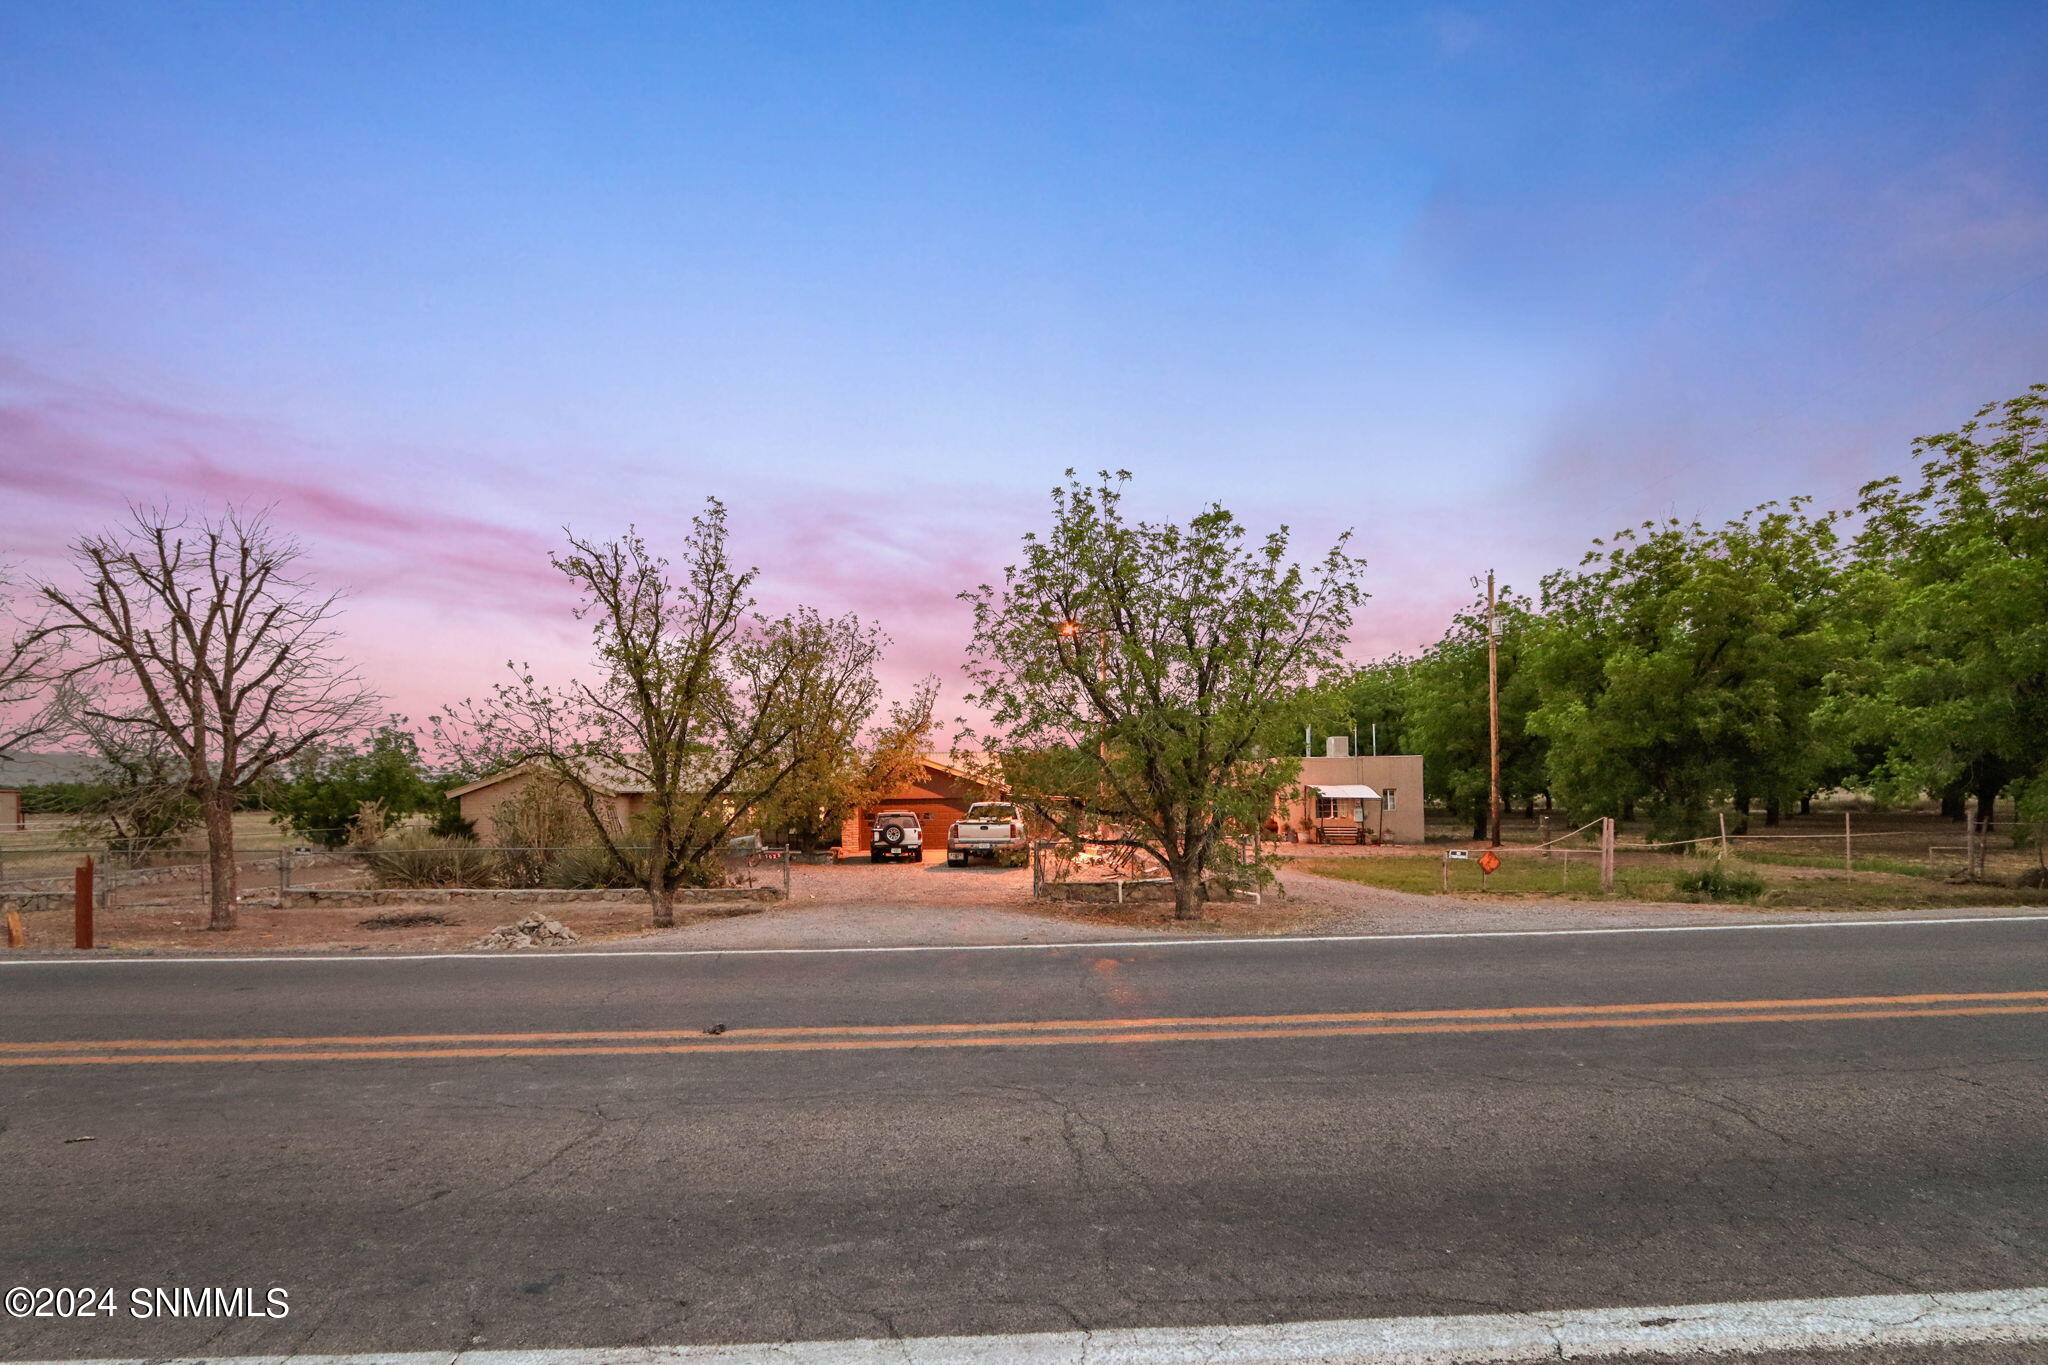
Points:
[(28, 668), (696, 707), (203, 630), (139, 802)]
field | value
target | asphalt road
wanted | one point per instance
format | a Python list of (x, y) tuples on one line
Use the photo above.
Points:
[(882, 1144)]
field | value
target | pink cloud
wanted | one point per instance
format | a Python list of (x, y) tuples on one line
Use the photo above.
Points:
[(438, 602), (83, 470)]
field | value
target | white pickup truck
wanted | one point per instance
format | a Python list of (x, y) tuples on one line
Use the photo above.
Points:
[(896, 834), (990, 827)]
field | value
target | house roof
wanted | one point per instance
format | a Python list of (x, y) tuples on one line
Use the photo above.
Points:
[(960, 770)]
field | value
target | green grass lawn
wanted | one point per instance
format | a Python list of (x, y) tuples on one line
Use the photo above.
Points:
[(1791, 884), (1874, 862), (1521, 874)]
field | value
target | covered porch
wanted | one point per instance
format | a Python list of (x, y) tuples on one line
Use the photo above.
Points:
[(1341, 813)]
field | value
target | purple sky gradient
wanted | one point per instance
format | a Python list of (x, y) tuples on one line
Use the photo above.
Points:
[(1481, 282)]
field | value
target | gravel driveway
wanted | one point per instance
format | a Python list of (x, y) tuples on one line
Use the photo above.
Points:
[(856, 881), (860, 904)]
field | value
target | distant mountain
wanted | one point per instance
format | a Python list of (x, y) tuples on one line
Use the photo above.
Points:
[(36, 770)]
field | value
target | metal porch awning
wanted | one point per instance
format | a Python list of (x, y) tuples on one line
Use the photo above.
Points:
[(1346, 792)]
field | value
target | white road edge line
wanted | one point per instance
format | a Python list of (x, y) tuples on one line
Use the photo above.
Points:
[(1692, 1330), (1075, 945)]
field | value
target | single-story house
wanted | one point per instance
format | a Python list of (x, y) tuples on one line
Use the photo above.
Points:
[(621, 795), (1347, 798), (939, 793)]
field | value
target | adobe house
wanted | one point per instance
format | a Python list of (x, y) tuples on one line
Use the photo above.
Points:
[(939, 794), (1347, 798), (620, 796)]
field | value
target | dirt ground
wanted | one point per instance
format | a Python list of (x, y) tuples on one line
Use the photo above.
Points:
[(182, 929), (172, 916), (867, 903), (857, 903), (856, 881)]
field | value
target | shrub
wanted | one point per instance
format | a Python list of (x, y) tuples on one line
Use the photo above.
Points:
[(1715, 882), (413, 858), (587, 868), (450, 825)]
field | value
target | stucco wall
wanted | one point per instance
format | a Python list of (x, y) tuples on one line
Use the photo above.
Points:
[(1399, 773), (478, 807)]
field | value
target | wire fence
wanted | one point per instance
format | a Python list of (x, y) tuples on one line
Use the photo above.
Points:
[(1882, 842), (121, 875)]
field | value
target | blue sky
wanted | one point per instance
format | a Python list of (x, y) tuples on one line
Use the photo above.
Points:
[(1481, 281)]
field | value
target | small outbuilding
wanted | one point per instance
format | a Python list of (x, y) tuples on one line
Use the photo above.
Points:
[(11, 816), (1347, 798)]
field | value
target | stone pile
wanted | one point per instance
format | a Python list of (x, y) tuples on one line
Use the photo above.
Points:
[(529, 931)]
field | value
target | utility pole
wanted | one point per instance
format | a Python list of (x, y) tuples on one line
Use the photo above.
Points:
[(1492, 716)]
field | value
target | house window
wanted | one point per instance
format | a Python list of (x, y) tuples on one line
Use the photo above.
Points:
[(1387, 799), (1326, 808)]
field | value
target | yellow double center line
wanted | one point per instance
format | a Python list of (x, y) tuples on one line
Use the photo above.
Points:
[(1039, 1033)]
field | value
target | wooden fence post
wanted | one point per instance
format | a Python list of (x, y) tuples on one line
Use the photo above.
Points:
[(1724, 833), (1848, 844), (81, 904), (1606, 855)]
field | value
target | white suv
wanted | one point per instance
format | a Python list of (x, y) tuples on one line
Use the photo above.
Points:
[(896, 834)]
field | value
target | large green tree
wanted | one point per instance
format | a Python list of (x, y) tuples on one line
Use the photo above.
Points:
[(1680, 665), (325, 791), (1374, 702), (1139, 677), (1950, 584), (1446, 711)]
